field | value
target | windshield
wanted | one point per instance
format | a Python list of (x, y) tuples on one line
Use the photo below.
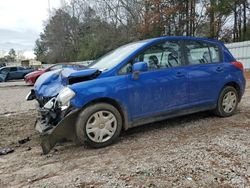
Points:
[(116, 56)]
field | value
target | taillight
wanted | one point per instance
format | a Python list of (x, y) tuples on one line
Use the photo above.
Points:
[(238, 65)]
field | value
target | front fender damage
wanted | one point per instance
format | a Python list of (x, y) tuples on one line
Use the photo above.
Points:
[(65, 129), (56, 122)]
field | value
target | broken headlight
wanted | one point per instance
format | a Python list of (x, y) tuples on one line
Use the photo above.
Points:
[(50, 104), (64, 97)]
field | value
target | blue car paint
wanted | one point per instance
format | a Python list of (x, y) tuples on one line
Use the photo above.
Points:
[(51, 83), (48, 84), (140, 66), (155, 92)]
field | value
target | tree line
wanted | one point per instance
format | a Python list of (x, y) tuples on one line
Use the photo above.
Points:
[(87, 29), (10, 57)]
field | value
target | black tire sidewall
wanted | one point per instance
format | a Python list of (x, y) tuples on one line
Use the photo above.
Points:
[(219, 109), (81, 134)]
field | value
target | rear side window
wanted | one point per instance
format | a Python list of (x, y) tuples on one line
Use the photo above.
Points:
[(12, 69), (215, 53), (20, 68), (201, 53)]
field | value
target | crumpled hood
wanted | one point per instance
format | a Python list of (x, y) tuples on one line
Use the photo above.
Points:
[(50, 83)]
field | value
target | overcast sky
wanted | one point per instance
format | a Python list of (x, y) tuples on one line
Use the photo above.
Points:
[(21, 22)]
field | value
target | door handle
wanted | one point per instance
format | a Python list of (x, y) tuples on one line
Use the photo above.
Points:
[(219, 69), (180, 74)]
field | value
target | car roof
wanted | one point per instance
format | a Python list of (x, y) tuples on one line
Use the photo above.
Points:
[(74, 64), (183, 38), (4, 67), (11, 67)]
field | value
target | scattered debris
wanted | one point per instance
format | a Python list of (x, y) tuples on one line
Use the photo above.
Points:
[(5, 151), (189, 178), (23, 141), (55, 150), (49, 155)]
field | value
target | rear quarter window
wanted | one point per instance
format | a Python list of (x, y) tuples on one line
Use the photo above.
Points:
[(21, 68), (215, 53), (201, 52)]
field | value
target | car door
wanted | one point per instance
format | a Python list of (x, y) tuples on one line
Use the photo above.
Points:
[(20, 73), (205, 71), (163, 87), (13, 73), (3, 74)]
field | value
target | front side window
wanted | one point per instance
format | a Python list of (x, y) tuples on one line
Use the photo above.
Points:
[(4, 71), (166, 54), (201, 53)]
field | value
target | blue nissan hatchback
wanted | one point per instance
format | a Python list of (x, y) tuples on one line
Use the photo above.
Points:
[(138, 83)]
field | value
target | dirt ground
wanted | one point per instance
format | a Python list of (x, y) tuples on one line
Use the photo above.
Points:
[(199, 150), (12, 96)]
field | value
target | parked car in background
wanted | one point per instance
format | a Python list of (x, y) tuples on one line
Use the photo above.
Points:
[(33, 76), (139, 83), (13, 73)]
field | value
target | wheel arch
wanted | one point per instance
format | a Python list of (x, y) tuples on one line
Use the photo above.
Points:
[(236, 86), (116, 104)]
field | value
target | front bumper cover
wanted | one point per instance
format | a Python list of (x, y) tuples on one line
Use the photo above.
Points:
[(55, 125), (65, 129)]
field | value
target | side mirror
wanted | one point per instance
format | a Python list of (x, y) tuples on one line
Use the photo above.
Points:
[(140, 66), (137, 68)]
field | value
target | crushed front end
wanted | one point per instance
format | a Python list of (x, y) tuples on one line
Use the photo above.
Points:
[(56, 116), (56, 119)]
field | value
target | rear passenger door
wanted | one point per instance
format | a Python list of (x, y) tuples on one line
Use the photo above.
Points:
[(13, 73), (20, 72), (205, 71)]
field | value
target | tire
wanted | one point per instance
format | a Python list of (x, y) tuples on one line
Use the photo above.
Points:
[(98, 125), (223, 108)]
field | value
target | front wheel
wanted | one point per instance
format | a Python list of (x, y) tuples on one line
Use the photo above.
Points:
[(227, 102), (98, 125)]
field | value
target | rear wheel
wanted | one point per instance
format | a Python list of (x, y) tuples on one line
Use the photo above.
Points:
[(98, 125), (227, 102)]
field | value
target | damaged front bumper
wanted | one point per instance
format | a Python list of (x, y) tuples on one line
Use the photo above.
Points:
[(54, 123), (52, 134)]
